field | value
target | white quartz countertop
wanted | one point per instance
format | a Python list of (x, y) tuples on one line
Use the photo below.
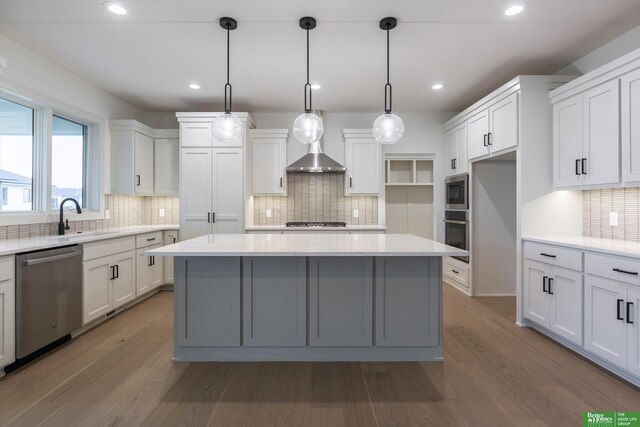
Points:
[(315, 228), (308, 244), (13, 246), (594, 244)]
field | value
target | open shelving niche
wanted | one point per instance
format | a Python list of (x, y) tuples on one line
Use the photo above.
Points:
[(409, 195)]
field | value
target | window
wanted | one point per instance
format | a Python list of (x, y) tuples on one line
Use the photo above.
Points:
[(16, 155), (26, 195), (68, 161)]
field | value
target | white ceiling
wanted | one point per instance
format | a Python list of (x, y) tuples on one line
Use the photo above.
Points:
[(149, 56)]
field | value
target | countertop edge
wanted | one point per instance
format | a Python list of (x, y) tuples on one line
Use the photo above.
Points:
[(88, 238), (584, 247)]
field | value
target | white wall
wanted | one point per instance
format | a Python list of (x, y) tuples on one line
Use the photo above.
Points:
[(614, 49), (423, 134)]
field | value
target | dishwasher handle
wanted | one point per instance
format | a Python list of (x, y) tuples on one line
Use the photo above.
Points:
[(43, 260)]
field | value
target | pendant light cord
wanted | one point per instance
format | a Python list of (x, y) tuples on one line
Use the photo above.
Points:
[(307, 86), (227, 106), (387, 87)]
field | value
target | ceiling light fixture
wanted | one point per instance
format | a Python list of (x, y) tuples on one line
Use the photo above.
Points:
[(194, 86), (308, 127), (437, 86), (515, 9), (388, 128), (115, 8), (227, 127)]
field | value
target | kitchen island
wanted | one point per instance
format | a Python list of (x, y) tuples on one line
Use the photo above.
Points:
[(303, 297)]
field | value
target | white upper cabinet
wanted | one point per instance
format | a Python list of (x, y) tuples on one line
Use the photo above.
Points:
[(457, 161), (586, 137), (567, 127), (478, 126), (601, 136), (196, 134), (630, 121), (362, 161), (144, 161), (167, 166), (503, 121), (268, 161)]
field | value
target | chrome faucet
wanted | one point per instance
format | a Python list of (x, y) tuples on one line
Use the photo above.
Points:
[(62, 226)]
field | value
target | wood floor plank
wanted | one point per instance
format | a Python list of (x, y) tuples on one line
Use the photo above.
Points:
[(120, 374)]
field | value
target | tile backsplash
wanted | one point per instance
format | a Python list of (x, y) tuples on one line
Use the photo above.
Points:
[(598, 204), (123, 211), (315, 197)]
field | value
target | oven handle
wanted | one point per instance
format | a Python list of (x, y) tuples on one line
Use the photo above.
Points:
[(451, 221)]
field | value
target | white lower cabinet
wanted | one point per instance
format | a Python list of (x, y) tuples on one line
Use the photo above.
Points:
[(7, 311), (605, 329), (149, 271), (170, 237), (108, 283), (553, 299), (633, 330)]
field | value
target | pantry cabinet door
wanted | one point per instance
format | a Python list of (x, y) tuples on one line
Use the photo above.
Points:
[(195, 194), (227, 191)]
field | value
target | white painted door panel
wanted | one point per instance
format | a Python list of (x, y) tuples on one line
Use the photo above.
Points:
[(630, 121), (124, 285), (632, 318), (565, 317), (362, 160), (167, 166), (143, 276), (195, 194), (604, 333), (567, 142), (478, 126), (227, 179), (601, 138), (96, 280), (462, 158), (503, 118), (536, 303), (7, 322), (143, 157), (450, 152), (196, 134), (268, 162)]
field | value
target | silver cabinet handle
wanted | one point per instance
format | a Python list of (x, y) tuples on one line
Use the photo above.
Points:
[(36, 261)]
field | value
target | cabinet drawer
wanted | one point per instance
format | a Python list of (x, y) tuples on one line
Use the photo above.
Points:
[(148, 239), (107, 247), (621, 269), (554, 255), (7, 268), (457, 273)]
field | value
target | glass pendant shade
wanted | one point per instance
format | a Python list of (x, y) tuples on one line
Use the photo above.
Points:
[(388, 128), (228, 129), (308, 128)]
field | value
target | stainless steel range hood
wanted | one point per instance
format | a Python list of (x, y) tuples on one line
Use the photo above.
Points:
[(316, 161)]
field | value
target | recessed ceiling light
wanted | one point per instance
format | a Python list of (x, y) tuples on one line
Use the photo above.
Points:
[(194, 86), (115, 8), (316, 86), (515, 9), (437, 86)]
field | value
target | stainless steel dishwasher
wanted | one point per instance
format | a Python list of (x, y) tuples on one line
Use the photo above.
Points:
[(48, 297)]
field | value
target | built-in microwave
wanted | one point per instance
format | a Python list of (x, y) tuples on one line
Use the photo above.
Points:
[(457, 192)]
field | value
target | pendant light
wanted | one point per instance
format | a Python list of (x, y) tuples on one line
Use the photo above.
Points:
[(388, 128), (227, 127), (308, 127)]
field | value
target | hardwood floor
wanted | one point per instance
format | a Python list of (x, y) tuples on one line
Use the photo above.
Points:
[(495, 374)]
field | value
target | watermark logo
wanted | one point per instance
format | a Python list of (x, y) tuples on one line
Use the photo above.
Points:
[(611, 419)]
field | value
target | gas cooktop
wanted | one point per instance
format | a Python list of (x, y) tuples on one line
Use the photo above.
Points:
[(316, 224)]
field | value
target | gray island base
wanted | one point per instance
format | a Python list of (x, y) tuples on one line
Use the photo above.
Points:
[(346, 298)]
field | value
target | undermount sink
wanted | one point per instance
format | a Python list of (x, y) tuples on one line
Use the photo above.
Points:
[(86, 233)]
